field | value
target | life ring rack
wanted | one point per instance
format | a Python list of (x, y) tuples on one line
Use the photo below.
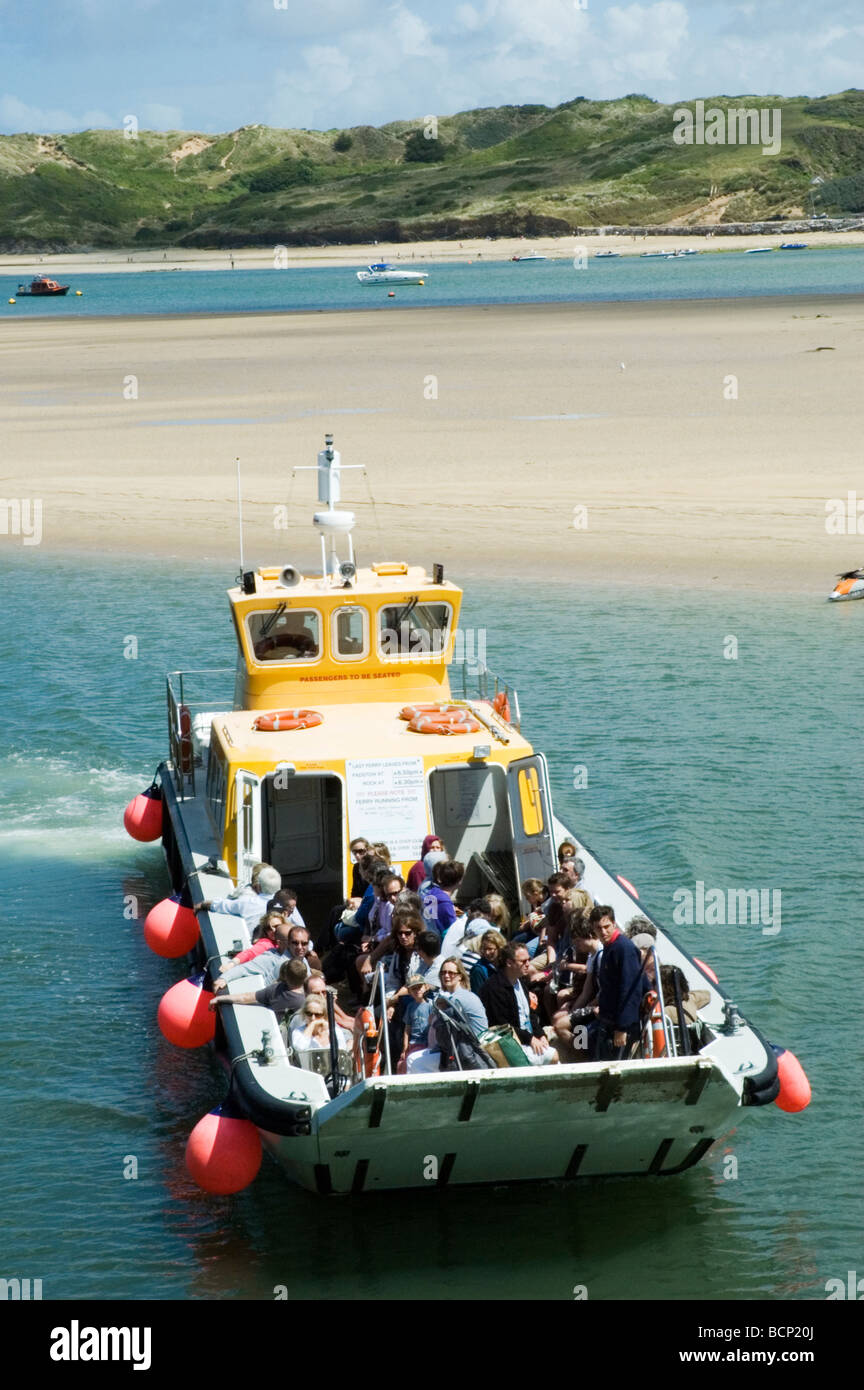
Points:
[(440, 719), (281, 719)]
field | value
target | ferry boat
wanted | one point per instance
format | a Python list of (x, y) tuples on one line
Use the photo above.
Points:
[(383, 274), (314, 747), (849, 586), (42, 285)]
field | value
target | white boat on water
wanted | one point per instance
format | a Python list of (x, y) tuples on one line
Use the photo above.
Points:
[(529, 256), (383, 274), (757, 250), (606, 255), (315, 747)]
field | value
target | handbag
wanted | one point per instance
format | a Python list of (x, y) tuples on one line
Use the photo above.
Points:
[(503, 1046)]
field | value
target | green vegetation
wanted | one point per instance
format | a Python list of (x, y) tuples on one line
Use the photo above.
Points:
[(492, 171)]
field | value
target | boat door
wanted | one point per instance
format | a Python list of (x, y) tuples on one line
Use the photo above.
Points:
[(531, 817), (248, 802)]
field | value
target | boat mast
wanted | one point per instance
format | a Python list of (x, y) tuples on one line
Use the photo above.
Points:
[(333, 523)]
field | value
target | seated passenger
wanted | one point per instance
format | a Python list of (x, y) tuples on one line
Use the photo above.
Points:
[(310, 1029), (398, 953), (316, 984), (566, 851), (299, 946), (438, 910), (454, 988), (645, 945), (415, 1018), (265, 938), (574, 869), (417, 872), (249, 902), (286, 901), (534, 892), (507, 1001), (639, 925), (387, 887), (492, 944), (575, 1023), (283, 995), (692, 1000)]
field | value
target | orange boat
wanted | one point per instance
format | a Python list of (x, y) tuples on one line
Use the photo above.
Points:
[(41, 284)]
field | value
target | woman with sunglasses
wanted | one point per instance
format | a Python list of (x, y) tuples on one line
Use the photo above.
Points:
[(456, 992)]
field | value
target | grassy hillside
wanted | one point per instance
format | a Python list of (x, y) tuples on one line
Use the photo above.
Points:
[(499, 170)]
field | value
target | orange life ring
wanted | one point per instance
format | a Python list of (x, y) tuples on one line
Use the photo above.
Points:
[(462, 723), (367, 1044), (186, 750), (288, 719), (654, 1038), (412, 711), (501, 705)]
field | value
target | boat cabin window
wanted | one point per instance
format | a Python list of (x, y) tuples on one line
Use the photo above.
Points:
[(285, 634), (349, 633), (414, 629)]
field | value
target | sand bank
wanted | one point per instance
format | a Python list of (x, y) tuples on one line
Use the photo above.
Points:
[(297, 257), (486, 433)]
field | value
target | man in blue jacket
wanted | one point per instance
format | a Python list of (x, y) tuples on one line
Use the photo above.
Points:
[(621, 985)]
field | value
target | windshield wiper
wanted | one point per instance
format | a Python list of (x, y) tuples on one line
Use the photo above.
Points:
[(274, 617)]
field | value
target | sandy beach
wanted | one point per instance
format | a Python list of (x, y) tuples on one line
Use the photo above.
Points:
[(468, 250), (486, 434)]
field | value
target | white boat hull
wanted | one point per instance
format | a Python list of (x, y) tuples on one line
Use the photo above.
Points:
[(392, 277), (456, 1128)]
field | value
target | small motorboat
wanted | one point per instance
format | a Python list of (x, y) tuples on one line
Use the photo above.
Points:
[(656, 255), (685, 251), (531, 256), (793, 246), (41, 285), (383, 274), (756, 250), (849, 585), (606, 255)]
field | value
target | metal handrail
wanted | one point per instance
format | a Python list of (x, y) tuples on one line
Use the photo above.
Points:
[(379, 989), (666, 1025), (483, 680), (182, 752)]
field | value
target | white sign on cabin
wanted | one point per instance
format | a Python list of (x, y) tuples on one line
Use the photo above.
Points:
[(387, 802)]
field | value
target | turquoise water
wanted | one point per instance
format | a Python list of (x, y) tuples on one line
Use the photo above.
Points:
[(737, 772), (730, 275)]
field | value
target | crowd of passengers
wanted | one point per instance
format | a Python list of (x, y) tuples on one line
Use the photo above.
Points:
[(565, 981)]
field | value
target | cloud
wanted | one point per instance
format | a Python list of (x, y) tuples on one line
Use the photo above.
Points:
[(17, 115)]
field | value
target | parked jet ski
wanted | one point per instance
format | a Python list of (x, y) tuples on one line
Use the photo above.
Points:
[(849, 585)]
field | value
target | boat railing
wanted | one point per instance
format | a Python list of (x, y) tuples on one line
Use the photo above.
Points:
[(379, 996), (479, 683), (188, 693)]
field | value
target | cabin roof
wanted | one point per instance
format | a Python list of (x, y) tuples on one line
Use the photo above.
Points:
[(391, 579), (372, 730)]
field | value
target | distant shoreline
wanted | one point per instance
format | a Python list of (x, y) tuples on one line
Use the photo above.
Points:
[(467, 251)]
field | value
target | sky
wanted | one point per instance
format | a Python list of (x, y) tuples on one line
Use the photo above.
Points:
[(214, 65)]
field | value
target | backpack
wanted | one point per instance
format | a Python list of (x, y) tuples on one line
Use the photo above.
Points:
[(453, 1035)]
